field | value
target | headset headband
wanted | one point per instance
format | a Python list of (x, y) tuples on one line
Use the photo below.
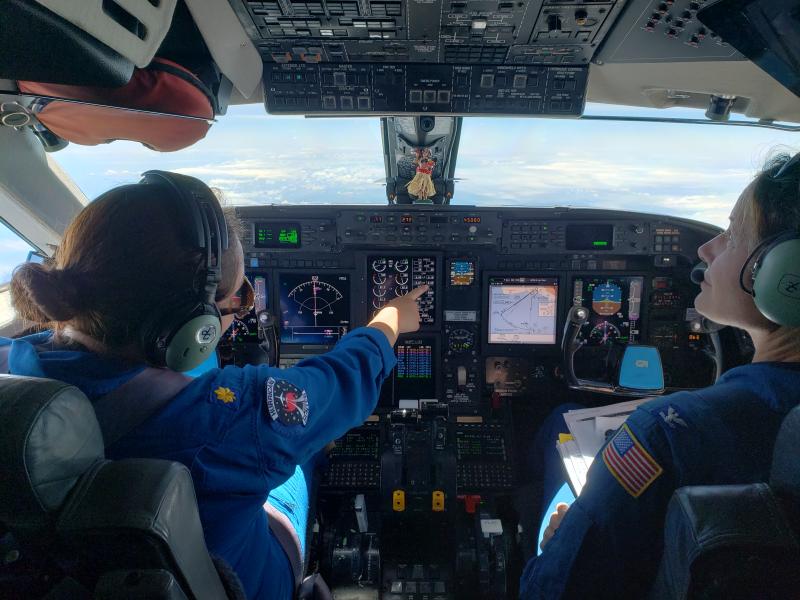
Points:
[(208, 229)]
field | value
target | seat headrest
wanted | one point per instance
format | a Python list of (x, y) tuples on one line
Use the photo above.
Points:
[(50, 437), (784, 477)]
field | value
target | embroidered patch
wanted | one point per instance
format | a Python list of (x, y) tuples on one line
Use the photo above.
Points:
[(286, 402), (672, 418), (630, 463), (225, 395)]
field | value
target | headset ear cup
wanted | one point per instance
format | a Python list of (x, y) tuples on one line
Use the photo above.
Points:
[(193, 342), (776, 282)]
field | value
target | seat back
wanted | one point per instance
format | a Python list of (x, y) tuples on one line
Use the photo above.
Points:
[(737, 541), (132, 523)]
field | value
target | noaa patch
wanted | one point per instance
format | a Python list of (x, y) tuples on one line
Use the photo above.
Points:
[(286, 403)]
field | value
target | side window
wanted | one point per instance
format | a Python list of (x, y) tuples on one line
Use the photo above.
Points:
[(13, 251)]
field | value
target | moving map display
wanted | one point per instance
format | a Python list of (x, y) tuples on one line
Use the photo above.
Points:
[(522, 310), (614, 304), (315, 309), (394, 276)]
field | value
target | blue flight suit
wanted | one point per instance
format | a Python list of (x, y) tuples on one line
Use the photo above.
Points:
[(242, 432), (610, 542)]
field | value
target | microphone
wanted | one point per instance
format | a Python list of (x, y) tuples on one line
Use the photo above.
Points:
[(698, 273)]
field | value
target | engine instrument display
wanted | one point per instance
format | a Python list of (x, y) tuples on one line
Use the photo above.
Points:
[(246, 329), (315, 309), (615, 305), (394, 276), (414, 371), (522, 310)]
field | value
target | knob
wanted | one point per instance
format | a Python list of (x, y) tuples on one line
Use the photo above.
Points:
[(472, 229), (637, 228)]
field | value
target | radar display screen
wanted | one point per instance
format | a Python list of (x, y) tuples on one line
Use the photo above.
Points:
[(277, 235), (462, 272), (614, 304), (393, 276), (522, 310), (246, 329), (315, 309)]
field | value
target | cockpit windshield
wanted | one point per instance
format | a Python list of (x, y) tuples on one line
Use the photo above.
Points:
[(688, 170)]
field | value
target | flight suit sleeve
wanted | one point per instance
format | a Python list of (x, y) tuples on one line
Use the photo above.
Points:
[(302, 408), (610, 541)]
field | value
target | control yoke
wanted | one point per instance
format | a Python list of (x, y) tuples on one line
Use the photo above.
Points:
[(639, 372)]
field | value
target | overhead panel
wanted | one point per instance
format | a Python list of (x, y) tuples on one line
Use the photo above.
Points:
[(665, 31), (378, 56)]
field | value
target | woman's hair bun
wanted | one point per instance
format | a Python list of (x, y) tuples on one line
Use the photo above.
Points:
[(43, 294)]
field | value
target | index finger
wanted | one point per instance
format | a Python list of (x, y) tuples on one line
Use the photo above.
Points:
[(562, 507), (418, 291)]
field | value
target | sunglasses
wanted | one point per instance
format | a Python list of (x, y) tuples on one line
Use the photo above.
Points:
[(242, 302)]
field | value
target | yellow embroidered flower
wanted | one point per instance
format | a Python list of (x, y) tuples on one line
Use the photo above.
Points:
[(225, 395)]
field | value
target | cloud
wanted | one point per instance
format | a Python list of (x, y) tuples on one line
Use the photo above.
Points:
[(685, 170)]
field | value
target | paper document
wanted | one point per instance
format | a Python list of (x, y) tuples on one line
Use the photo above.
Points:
[(589, 430)]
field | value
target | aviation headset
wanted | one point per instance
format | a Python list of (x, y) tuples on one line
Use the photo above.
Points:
[(182, 336), (776, 278), (775, 268), (775, 271)]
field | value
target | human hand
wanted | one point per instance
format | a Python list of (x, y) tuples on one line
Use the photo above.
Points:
[(400, 315), (555, 522)]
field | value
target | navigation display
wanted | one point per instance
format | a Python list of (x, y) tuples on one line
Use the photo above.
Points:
[(614, 304), (522, 310), (315, 309), (246, 330), (393, 276)]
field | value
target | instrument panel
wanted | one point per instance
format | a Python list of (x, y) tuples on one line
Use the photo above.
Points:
[(500, 284), (444, 452)]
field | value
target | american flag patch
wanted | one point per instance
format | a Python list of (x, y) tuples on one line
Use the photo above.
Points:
[(630, 463)]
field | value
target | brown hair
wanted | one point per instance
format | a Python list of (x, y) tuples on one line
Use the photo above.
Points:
[(775, 203), (125, 257)]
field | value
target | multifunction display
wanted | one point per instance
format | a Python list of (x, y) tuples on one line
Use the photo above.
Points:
[(414, 371), (590, 237), (315, 309), (394, 276), (522, 310), (277, 235), (615, 307)]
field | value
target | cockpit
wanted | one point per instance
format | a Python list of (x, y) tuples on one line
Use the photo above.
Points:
[(531, 303)]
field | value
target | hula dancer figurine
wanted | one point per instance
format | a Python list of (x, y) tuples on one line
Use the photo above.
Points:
[(421, 187)]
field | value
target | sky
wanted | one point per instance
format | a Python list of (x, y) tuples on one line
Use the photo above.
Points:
[(691, 171)]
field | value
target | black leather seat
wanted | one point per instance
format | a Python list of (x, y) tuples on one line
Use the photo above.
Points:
[(127, 528), (738, 541)]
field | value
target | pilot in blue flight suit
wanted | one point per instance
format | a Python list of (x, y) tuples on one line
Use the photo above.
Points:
[(608, 542), (244, 433)]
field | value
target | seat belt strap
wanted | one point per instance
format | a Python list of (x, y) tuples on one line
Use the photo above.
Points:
[(121, 411)]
